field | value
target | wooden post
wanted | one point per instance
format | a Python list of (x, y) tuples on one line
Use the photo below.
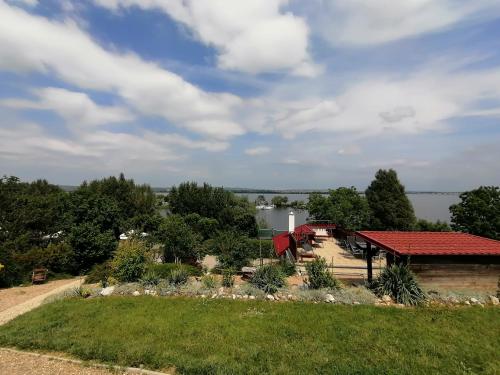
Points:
[(369, 268)]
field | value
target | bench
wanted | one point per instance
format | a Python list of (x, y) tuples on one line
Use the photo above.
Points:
[(39, 275)]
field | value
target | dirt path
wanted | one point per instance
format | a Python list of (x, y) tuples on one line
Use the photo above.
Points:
[(19, 300)]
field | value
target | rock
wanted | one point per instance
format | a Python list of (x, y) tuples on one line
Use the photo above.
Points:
[(494, 300), (245, 296), (234, 296), (270, 297), (356, 303), (251, 297), (221, 290), (386, 298), (474, 301), (136, 293), (107, 291), (329, 298), (400, 305), (203, 296), (290, 296), (214, 295), (467, 302), (147, 292)]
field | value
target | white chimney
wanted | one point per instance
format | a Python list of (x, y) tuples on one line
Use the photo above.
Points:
[(291, 222)]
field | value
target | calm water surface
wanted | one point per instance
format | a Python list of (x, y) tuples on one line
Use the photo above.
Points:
[(427, 206)]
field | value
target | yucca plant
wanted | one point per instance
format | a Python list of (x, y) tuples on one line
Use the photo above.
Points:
[(178, 277), (269, 278), (318, 275), (401, 284), (228, 278)]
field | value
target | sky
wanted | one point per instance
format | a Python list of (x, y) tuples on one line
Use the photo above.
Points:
[(252, 93)]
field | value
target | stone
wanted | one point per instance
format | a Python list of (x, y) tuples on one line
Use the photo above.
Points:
[(329, 298), (234, 296), (467, 302), (290, 296), (221, 290), (107, 291), (136, 293), (494, 300), (386, 298), (474, 301), (147, 292), (214, 295), (270, 297), (356, 303), (245, 296), (251, 297), (203, 296)]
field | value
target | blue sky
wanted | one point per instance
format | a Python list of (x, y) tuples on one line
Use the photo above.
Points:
[(261, 93)]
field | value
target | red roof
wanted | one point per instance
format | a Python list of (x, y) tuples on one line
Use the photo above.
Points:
[(432, 243), (281, 243)]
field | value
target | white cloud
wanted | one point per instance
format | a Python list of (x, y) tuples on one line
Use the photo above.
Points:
[(252, 36), (32, 43), (255, 151), (369, 22), (75, 107), (30, 3)]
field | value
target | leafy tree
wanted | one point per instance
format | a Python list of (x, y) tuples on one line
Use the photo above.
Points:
[(91, 245), (390, 207), (478, 212), (429, 226), (230, 211), (129, 261), (179, 240), (318, 206), (343, 206), (279, 201), (261, 201), (231, 249)]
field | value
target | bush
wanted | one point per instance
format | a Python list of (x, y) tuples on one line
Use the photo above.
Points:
[(228, 278), (254, 250), (163, 270), (150, 279), (129, 262), (231, 249), (56, 257), (318, 276), (209, 282), (99, 274), (400, 283), (178, 277), (288, 267), (269, 278)]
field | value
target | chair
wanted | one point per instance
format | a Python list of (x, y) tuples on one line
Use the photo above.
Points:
[(39, 275)]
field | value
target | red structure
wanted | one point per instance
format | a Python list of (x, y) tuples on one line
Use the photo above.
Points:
[(431, 243), (448, 259), (304, 233)]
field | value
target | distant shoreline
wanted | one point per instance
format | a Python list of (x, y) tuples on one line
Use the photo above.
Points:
[(271, 191)]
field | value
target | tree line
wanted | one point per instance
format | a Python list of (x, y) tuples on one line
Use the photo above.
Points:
[(69, 232), (385, 206)]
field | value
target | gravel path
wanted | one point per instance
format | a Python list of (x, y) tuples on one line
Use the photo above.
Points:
[(38, 295), (17, 363)]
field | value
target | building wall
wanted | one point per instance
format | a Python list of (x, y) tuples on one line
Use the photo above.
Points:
[(480, 273)]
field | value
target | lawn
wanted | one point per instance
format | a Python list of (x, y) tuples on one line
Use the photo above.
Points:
[(256, 337)]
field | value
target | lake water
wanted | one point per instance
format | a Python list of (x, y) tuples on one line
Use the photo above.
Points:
[(427, 206)]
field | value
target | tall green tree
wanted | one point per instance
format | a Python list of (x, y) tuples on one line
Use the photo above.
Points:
[(280, 201), (478, 212), (343, 206), (390, 207), (178, 239)]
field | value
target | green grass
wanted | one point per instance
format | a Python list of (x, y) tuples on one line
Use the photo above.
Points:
[(257, 337)]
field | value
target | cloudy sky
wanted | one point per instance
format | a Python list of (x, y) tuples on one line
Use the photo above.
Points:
[(252, 93)]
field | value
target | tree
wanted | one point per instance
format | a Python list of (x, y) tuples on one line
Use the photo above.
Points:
[(231, 248), (478, 212), (261, 201), (179, 240), (279, 201), (390, 207), (129, 261), (91, 245), (343, 206), (230, 211), (429, 226)]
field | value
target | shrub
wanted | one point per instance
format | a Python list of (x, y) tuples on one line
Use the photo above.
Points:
[(288, 267), (56, 257), (400, 283), (209, 282), (129, 262), (150, 279), (231, 249), (228, 278), (178, 277), (318, 276), (269, 278), (254, 248), (164, 269), (99, 274)]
